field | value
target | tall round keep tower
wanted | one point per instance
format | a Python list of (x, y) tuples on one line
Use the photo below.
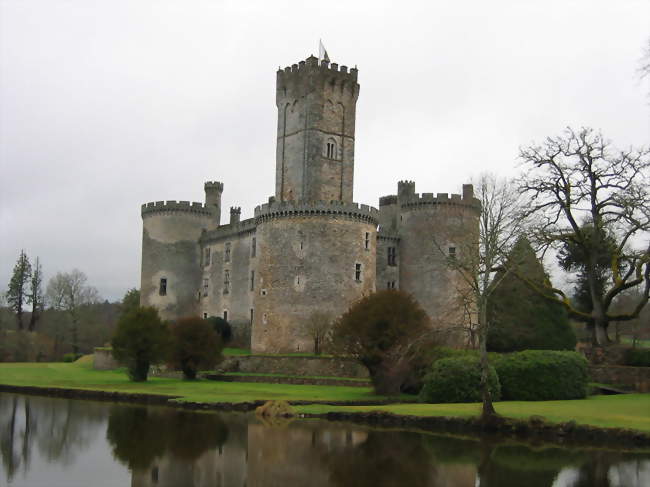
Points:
[(316, 249), (171, 256)]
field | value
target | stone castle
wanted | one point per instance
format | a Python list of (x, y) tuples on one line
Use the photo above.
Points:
[(310, 247)]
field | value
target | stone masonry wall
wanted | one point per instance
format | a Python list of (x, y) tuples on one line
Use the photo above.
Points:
[(307, 264), (308, 366)]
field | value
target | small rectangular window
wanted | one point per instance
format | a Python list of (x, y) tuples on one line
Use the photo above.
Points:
[(205, 316), (205, 287), (206, 257), (226, 254), (226, 281), (367, 242), (163, 286), (251, 316), (252, 280), (225, 314), (452, 252), (253, 247), (357, 272)]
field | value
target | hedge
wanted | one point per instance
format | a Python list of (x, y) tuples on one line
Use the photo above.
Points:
[(542, 375), (457, 379), (638, 357)]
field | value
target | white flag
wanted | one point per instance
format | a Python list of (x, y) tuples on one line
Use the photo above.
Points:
[(322, 52)]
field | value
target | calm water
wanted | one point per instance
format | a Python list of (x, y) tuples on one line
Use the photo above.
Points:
[(60, 442)]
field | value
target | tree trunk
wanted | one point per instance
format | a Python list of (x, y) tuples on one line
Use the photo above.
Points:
[(488, 408)]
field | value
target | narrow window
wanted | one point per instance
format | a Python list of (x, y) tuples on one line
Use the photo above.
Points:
[(357, 272), (225, 314), (391, 256), (253, 247), (367, 242), (163, 286), (251, 316), (226, 254), (252, 280), (205, 316), (206, 257), (452, 253), (226, 281), (205, 287), (388, 285)]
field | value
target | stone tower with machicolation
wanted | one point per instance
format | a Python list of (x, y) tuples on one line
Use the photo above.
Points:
[(310, 247)]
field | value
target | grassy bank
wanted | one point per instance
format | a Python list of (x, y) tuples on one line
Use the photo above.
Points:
[(622, 411), (81, 375)]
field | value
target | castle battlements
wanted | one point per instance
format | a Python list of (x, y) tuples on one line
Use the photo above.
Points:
[(229, 231), (157, 207), (311, 65), (213, 185), (289, 209), (415, 200)]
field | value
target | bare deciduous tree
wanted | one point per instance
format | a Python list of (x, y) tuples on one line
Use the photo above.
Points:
[(480, 256), (318, 327), (585, 195), (68, 291)]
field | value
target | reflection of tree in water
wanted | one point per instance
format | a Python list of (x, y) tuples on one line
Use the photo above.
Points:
[(384, 459), (139, 435), (59, 428), (612, 469)]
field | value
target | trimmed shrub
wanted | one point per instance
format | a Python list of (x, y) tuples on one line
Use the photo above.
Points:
[(638, 357), (71, 357), (542, 375), (458, 379)]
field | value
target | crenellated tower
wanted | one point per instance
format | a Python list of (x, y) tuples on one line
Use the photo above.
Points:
[(315, 141)]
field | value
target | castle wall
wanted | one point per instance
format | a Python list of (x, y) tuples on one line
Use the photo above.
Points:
[(170, 251), (238, 300), (307, 263), (387, 270)]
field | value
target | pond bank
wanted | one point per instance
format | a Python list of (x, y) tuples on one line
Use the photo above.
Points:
[(535, 428)]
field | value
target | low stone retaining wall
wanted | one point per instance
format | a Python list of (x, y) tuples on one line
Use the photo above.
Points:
[(103, 359), (288, 380), (287, 365), (636, 378)]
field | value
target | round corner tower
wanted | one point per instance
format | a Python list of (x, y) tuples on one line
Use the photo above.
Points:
[(316, 248), (433, 229), (171, 270)]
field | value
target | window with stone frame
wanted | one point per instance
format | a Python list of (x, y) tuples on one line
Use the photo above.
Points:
[(206, 256), (205, 287), (226, 253), (357, 272), (253, 247), (162, 290), (452, 253), (366, 242), (331, 150), (226, 281), (252, 280)]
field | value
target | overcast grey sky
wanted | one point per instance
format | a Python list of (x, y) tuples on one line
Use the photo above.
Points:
[(105, 105)]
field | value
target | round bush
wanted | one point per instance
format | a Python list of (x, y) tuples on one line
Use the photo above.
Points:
[(542, 375), (458, 379)]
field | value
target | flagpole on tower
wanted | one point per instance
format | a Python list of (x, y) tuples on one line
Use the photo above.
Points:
[(322, 52)]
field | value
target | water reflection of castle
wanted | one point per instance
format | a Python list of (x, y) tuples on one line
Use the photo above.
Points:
[(306, 454)]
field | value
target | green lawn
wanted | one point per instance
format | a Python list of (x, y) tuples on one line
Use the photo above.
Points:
[(626, 411), (620, 411), (81, 375)]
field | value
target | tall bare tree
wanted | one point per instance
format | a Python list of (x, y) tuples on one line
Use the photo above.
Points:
[(480, 259), (18, 287), (68, 291), (588, 197), (35, 295)]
